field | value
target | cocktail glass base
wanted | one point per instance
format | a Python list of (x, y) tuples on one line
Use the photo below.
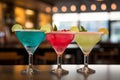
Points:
[(86, 70), (59, 72), (30, 71)]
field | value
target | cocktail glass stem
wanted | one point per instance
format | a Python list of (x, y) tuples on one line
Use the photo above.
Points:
[(86, 61), (86, 69), (30, 66), (59, 62), (29, 70), (59, 71)]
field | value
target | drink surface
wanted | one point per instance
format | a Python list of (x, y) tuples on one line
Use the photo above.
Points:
[(30, 39), (59, 40), (87, 40)]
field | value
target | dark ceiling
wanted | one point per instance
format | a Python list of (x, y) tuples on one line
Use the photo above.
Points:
[(68, 3), (53, 2)]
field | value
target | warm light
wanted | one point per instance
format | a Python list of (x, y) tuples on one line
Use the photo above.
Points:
[(19, 15), (48, 9), (73, 8), (93, 7), (28, 24), (103, 6), (44, 19), (83, 7), (29, 12), (64, 9), (113, 6), (54, 9)]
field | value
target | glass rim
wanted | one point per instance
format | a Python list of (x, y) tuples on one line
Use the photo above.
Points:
[(61, 32), (33, 30), (89, 32)]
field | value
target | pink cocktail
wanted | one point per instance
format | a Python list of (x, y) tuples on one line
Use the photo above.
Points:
[(59, 40)]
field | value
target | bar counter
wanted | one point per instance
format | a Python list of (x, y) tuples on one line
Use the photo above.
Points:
[(103, 72)]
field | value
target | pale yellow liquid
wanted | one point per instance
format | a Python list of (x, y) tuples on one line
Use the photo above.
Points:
[(87, 40)]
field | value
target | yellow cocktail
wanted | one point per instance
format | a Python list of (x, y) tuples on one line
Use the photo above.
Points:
[(86, 41)]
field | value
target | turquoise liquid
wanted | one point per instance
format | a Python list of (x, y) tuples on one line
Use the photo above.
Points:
[(30, 39)]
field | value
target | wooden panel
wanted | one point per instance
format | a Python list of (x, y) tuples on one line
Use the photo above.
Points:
[(31, 4), (1, 12)]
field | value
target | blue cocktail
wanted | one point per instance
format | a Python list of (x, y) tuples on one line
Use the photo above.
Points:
[(30, 39)]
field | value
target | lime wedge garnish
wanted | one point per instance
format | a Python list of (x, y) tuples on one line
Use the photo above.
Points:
[(16, 27), (46, 28), (104, 30), (74, 28)]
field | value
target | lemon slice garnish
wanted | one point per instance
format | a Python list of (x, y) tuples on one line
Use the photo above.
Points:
[(46, 28), (16, 27), (104, 30), (74, 28)]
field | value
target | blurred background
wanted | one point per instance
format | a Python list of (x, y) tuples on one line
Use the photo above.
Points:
[(92, 14)]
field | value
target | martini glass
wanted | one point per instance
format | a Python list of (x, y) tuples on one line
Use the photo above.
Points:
[(30, 39), (59, 40), (86, 42)]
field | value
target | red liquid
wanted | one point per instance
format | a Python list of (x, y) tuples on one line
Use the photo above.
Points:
[(59, 40)]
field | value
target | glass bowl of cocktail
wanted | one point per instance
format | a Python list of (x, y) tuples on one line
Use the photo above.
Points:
[(86, 42), (59, 41), (30, 39)]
